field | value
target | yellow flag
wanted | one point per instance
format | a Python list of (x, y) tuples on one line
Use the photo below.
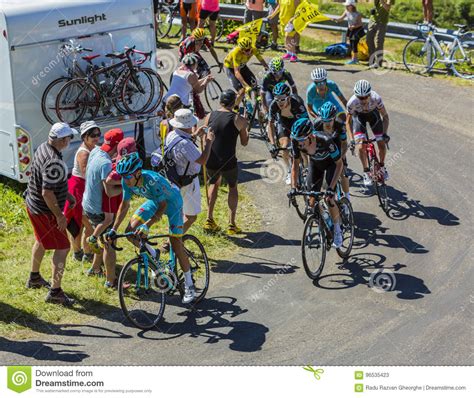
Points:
[(251, 29), (305, 14)]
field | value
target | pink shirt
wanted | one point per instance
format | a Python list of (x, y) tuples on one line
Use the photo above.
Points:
[(210, 5), (255, 5)]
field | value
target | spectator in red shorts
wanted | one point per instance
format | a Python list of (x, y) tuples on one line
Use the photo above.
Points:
[(45, 199)]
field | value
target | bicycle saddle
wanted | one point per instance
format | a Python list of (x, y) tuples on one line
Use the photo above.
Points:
[(89, 58)]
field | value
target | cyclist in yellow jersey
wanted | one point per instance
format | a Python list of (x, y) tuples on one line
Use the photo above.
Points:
[(292, 38), (236, 69)]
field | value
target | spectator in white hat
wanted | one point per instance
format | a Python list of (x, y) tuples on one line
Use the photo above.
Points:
[(188, 159), (355, 29)]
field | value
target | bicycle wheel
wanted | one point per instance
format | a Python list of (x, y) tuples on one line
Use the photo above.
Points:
[(48, 100), (313, 246), (137, 92), (175, 23), (302, 201), (75, 99), (462, 66), (159, 89), (379, 182), (199, 267), (419, 56), (143, 304), (219, 28), (347, 227), (213, 93), (163, 21)]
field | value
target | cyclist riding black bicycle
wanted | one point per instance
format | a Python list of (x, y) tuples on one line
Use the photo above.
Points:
[(162, 198), (276, 74), (285, 109), (324, 161), (193, 44)]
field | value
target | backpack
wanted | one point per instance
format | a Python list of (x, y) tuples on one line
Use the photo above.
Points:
[(338, 49), (363, 50), (166, 165)]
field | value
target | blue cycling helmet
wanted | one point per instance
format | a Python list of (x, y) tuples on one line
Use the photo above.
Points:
[(282, 89), (301, 129), (129, 164), (327, 112)]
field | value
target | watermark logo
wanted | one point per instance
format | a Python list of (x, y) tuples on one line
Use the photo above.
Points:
[(166, 62), (382, 281), (19, 378), (273, 171)]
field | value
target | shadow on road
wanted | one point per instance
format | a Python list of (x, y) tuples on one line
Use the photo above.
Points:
[(208, 320), (260, 266), (369, 231), (262, 240), (369, 269)]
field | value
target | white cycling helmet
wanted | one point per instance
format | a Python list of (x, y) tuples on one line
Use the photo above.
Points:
[(319, 75), (362, 88)]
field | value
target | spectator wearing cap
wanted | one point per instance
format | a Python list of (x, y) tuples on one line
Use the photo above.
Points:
[(77, 223), (188, 159), (46, 196), (98, 169), (227, 127)]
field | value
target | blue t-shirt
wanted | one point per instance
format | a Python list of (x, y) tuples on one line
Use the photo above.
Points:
[(156, 188), (314, 100), (99, 166)]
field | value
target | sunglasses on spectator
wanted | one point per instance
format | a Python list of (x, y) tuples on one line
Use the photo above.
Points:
[(94, 135)]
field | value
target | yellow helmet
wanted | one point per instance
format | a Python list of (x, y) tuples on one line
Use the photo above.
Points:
[(199, 33), (245, 43)]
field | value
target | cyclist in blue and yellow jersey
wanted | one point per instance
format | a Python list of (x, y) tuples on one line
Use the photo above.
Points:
[(236, 69), (323, 90), (285, 110), (327, 124), (162, 198), (324, 162), (276, 74)]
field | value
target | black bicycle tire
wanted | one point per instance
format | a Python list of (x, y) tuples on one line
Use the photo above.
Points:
[(219, 28), (45, 93), (455, 71), (81, 115), (123, 88), (122, 301), (166, 31), (302, 214), (161, 88), (347, 203), (175, 13), (373, 163), (309, 220), (428, 68), (179, 271), (215, 83)]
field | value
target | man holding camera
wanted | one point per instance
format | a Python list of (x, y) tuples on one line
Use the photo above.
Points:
[(376, 31)]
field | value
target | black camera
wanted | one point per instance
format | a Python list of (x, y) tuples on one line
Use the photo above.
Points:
[(372, 11)]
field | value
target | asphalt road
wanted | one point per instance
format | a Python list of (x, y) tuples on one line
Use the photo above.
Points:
[(262, 308)]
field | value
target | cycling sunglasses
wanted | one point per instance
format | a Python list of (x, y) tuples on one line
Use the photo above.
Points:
[(281, 99), (129, 176), (364, 97), (323, 83)]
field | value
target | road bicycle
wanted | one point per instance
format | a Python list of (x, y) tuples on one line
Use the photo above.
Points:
[(124, 85), (146, 281), (376, 174), (213, 90), (318, 232), (252, 110), (423, 54)]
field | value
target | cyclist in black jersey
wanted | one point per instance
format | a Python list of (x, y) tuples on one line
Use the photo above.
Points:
[(328, 124), (284, 111), (276, 74), (324, 162)]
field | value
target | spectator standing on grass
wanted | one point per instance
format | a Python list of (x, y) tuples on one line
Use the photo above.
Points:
[(173, 103), (78, 225), (355, 29), (46, 196), (99, 167), (227, 127), (254, 9), (427, 11), (188, 159), (287, 14), (376, 31), (189, 16), (273, 21), (209, 9)]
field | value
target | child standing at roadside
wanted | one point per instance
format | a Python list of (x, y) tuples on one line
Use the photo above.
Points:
[(355, 30)]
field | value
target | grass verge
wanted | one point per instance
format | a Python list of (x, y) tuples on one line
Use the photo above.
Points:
[(23, 312)]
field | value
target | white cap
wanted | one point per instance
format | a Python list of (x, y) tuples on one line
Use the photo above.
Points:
[(184, 119), (349, 3), (61, 130), (86, 126)]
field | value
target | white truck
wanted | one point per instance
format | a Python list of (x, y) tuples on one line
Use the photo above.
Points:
[(32, 33)]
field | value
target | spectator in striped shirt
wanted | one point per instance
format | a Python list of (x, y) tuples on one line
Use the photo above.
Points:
[(46, 196)]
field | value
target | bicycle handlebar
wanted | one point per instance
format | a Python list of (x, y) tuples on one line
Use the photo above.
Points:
[(143, 240)]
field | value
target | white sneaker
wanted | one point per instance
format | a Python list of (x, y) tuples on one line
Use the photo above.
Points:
[(385, 173), (288, 179), (367, 180), (337, 243), (189, 294)]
